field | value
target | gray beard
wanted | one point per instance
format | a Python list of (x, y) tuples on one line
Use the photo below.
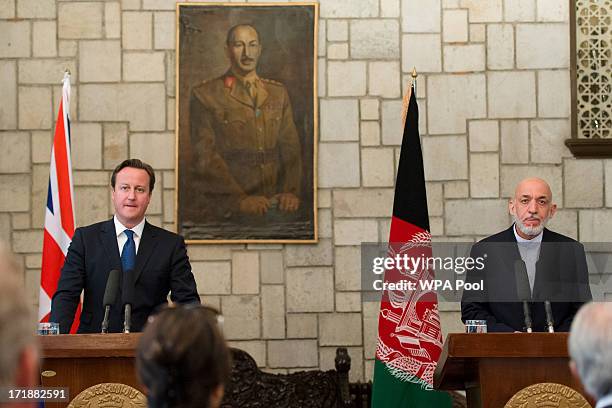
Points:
[(531, 231)]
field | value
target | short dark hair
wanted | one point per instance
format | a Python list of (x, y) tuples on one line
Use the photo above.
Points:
[(137, 164), (182, 357), (230, 32)]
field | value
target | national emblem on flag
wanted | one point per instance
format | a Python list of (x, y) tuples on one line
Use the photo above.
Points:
[(59, 211), (409, 333)]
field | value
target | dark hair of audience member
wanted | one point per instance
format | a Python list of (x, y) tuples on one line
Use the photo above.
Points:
[(182, 359)]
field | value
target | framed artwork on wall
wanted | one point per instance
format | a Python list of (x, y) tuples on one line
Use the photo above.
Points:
[(246, 122)]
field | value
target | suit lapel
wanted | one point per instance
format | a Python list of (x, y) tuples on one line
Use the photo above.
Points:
[(147, 244), (509, 253), (512, 250), (108, 236)]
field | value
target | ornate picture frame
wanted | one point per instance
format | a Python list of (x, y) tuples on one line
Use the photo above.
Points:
[(246, 122)]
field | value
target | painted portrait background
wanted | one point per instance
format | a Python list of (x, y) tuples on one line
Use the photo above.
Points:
[(287, 35)]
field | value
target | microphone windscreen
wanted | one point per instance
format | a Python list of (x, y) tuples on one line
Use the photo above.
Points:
[(127, 288), (112, 287), (523, 290)]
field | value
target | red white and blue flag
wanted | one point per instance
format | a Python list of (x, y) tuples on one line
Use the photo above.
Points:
[(59, 212)]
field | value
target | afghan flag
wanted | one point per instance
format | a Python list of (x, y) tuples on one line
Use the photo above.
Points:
[(409, 334)]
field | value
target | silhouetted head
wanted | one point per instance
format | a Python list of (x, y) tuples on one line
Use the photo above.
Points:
[(182, 358)]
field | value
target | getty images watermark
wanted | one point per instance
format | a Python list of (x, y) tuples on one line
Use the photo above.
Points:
[(419, 266), (488, 272)]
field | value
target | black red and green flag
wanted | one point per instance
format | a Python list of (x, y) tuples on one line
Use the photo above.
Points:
[(409, 333)]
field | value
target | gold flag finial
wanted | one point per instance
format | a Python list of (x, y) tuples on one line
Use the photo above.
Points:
[(67, 71), (414, 73)]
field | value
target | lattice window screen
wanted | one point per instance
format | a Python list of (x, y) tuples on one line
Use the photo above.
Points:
[(594, 69)]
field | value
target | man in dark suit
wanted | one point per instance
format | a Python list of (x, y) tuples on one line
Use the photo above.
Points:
[(157, 258), (590, 349), (527, 262)]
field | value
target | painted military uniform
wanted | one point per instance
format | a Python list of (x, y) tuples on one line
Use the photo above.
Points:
[(245, 142)]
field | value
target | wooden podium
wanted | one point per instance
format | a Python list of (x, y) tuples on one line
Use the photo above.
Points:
[(79, 361), (492, 367), (82, 361)]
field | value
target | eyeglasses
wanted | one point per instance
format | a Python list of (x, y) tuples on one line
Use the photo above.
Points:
[(189, 308)]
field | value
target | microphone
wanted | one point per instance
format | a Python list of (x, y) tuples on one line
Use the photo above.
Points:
[(523, 291), (110, 294), (549, 317), (127, 299)]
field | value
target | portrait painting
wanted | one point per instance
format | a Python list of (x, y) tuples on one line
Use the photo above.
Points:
[(246, 122)]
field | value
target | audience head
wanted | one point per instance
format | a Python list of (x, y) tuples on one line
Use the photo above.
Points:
[(18, 348), (590, 347), (182, 358)]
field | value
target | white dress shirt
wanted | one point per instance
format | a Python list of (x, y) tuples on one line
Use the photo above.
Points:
[(604, 402), (530, 253), (122, 238)]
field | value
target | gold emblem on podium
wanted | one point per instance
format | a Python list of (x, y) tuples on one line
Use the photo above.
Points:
[(109, 395), (547, 395)]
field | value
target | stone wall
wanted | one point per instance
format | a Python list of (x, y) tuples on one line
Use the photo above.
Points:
[(493, 93)]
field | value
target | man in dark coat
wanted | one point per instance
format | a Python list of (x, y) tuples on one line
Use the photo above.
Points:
[(527, 262), (156, 258)]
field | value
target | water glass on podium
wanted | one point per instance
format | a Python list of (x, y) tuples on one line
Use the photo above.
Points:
[(475, 326), (48, 328)]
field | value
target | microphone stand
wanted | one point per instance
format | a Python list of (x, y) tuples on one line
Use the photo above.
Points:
[(527, 314), (127, 322), (110, 293), (127, 299), (549, 317), (105, 321)]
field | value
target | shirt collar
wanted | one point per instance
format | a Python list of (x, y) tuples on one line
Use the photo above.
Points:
[(250, 77), (535, 240), (119, 227), (604, 402)]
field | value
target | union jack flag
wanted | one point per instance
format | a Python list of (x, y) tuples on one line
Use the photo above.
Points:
[(59, 212)]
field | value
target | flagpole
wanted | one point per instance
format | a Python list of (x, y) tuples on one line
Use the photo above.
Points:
[(66, 101), (406, 99), (414, 81), (66, 91)]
